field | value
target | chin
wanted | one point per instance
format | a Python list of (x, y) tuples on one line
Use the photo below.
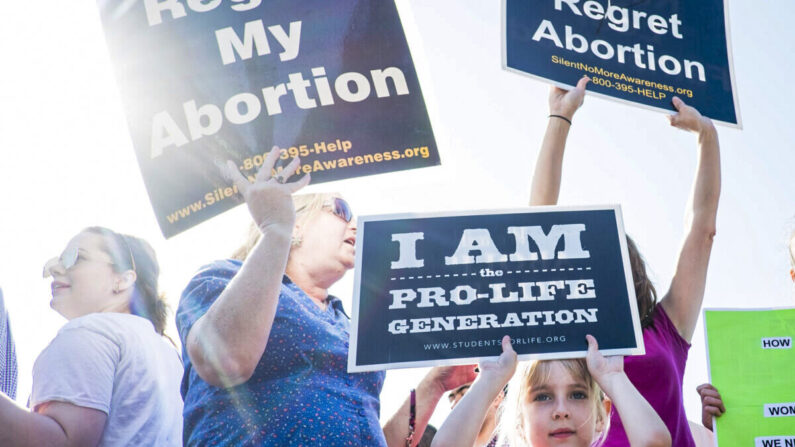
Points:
[(54, 306), (349, 264)]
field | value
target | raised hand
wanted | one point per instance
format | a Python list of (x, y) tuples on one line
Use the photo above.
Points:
[(449, 377), (711, 404), (500, 370), (602, 367), (688, 118), (269, 197), (566, 102)]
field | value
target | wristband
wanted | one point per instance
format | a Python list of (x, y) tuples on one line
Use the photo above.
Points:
[(561, 117), (412, 417)]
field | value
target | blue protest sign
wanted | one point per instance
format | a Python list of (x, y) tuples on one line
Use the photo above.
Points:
[(639, 52), (440, 289), (208, 81)]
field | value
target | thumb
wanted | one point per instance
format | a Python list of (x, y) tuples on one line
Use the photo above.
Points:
[(506, 344), (583, 82), (593, 345), (678, 103)]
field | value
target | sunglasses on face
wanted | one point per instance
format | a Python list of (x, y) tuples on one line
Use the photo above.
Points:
[(341, 209), (67, 260), (71, 255)]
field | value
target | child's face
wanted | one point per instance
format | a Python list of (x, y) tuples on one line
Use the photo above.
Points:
[(560, 412)]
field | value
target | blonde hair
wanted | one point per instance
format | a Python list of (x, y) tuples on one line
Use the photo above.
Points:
[(536, 373), (307, 207)]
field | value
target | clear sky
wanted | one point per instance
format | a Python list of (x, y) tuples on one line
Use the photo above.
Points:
[(68, 162)]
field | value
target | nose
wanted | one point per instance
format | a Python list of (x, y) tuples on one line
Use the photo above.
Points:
[(53, 267), (561, 411)]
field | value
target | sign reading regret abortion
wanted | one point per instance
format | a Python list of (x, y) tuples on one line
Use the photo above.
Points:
[(640, 52), (751, 359), (208, 81), (441, 289)]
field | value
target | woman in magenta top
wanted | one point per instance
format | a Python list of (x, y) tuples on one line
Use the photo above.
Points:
[(668, 324)]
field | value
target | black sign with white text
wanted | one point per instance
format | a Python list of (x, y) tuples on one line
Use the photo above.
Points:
[(445, 288)]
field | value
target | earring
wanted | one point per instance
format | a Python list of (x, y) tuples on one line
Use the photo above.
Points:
[(295, 241)]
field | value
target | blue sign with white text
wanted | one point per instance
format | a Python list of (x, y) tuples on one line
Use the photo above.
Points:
[(444, 289), (204, 82), (643, 52)]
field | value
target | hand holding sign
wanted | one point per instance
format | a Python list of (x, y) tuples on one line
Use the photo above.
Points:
[(269, 198), (498, 372), (602, 368), (566, 102), (688, 118), (450, 377), (711, 404)]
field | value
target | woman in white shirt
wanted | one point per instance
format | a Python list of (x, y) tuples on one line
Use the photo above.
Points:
[(109, 377)]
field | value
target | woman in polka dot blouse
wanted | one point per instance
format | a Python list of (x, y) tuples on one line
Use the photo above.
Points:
[(265, 346)]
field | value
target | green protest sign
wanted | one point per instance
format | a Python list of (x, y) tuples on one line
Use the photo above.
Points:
[(751, 361)]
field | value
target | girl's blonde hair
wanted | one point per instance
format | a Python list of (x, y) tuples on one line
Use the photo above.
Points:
[(307, 207), (536, 373)]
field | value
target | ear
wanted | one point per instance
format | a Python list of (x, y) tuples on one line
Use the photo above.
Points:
[(297, 237), (126, 281), (601, 422)]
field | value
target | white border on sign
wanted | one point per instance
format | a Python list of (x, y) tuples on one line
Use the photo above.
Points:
[(706, 343), (732, 77), (354, 332), (419, 58)]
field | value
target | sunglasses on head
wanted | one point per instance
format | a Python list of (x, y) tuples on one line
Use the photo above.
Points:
[(341, 209)]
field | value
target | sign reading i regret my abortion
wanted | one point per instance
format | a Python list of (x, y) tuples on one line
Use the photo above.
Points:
[(208, 81), (440, 289), (639, 52)]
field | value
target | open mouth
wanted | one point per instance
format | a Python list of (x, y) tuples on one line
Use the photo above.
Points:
[(351, 241)]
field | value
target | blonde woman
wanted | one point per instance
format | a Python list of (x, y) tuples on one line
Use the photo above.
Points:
[(266, 345)]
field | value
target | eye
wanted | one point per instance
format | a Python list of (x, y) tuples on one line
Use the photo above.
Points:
[(579, 395), (542, 397)]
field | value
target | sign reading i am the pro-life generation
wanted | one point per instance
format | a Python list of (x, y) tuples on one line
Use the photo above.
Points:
[(751, 362), (204, 82), (444, 288), (640, 52)]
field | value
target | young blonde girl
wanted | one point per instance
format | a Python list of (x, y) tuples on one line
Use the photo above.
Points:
[(554, 403)]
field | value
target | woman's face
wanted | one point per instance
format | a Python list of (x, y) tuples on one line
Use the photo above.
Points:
[(559, 412), (88, 285), (330, 240)]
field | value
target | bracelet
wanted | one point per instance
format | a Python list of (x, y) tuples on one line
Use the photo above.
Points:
[(412, 417), (561, 117)]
